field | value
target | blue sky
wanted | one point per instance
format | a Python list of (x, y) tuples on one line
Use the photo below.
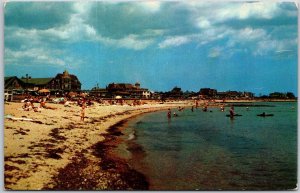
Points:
[(244, 46)]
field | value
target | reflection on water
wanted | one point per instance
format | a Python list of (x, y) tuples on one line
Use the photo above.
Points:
[(209, 151)]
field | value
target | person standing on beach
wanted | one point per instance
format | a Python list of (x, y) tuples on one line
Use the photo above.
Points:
[(82, 113)]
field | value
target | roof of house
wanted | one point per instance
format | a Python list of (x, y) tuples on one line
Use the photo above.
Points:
[(121, 86), (73, 77), (9, 79), (37, 81)]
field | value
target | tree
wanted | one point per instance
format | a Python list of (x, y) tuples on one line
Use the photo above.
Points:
[(290, 95)]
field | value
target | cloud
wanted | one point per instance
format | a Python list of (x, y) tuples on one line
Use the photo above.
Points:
[(174, 41), (260, 27), (215, 52), (251, 34), (203, 23), (37, 15), (32, 56), (152, 6), (275, 46), (129, 42)]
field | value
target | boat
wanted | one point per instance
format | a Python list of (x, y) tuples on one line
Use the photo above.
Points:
[(235, 115), (265, 115)]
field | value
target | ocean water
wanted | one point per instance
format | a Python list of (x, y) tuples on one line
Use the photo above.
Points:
[(209, 151)]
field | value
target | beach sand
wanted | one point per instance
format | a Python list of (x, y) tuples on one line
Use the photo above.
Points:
[(57, 151)]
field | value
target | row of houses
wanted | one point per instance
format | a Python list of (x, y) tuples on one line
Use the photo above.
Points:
[(66, 82), (121, 90), (125, 90), (62, 81), (207, 93)]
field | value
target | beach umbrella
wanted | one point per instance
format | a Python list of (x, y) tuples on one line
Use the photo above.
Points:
[(44, 91), (118, 97), (72, 94), (83, 94)]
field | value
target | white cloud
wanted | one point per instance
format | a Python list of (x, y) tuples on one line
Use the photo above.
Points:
[(249, 34), (275, 46), (265, 10), (215, 52), (150, 5), (204, 26), (34, 55), (203, 23), (174, 41), (129, 42)]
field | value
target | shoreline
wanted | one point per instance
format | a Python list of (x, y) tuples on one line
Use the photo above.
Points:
[(119, 174), (37, 153)]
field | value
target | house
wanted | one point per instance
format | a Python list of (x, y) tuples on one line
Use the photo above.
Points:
[(99, 92), (36, 83), (13, 82), (64, 82), (221, 95), (126, 90), (233, 94), (248, 95)]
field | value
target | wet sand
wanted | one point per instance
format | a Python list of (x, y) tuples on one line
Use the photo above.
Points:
[(57, 151)]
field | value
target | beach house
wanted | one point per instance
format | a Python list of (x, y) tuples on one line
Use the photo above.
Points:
[(62, 81), (126, 90)]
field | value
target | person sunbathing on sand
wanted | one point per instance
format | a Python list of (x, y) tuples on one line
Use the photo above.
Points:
[(43, 105), (37, 109), (27, 105), (67, 103)]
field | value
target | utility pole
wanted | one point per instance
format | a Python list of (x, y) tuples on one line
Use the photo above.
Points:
[(26, 83)]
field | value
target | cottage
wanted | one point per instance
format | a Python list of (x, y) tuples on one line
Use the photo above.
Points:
[(13, 82), (64, 81), (126, 90)]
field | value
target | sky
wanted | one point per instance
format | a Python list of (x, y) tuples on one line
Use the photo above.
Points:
[(243, 46)]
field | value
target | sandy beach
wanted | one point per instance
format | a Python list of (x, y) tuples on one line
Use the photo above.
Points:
[(54, 150)]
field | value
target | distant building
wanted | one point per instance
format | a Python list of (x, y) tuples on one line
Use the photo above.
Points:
[(36, 83), (64, 81), (233, 94), (99, 92), (13, 82), (248, 95), (126, 90), (221, 95)]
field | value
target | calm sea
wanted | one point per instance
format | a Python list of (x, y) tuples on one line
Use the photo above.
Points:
[(209, 151)]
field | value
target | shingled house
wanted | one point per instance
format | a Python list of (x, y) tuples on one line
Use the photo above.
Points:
[(64, 81), (126, 90), (13, 82)]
